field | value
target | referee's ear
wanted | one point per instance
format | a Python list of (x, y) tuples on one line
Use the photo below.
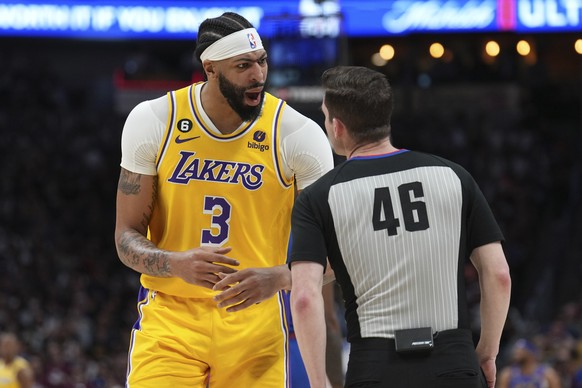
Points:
[(339, 128)]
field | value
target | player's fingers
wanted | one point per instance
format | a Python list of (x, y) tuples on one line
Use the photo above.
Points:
[(218, 268), (230, 299), (219, 250), (220, 287), (227, 292), (226, 280), (217, 258), (223, 283), (223, 250)]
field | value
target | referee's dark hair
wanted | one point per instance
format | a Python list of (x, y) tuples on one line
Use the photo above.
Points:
[(213, 29), (361, 98)]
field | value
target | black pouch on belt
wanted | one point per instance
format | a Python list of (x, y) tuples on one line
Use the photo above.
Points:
[(414, 340)]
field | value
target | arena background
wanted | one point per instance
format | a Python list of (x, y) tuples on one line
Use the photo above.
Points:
[(514, 121)]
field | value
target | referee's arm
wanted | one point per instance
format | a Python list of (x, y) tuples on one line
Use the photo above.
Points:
[(307, 309), (495, 284)]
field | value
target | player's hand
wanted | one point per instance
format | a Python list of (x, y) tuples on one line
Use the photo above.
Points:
[(200, 266), (247, 287)]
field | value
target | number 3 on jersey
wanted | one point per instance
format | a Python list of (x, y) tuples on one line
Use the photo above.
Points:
[(219, 208), (414, 212)]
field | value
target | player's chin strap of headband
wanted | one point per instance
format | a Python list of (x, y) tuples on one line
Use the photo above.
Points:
[(240, 42)]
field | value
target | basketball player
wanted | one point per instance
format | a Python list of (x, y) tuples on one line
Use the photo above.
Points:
[(527, 371), (397, 227), (206, 189), (15, 371)]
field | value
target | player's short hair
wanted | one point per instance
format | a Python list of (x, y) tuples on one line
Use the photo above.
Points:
[(361, 98), (213, 29)]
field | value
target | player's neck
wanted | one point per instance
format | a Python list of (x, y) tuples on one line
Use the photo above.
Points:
[(376, 148), (219, 111)]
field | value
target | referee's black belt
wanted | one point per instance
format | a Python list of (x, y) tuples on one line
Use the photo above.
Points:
[(381, 343)]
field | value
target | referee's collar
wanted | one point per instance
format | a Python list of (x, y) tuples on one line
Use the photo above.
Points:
[(378, 156)]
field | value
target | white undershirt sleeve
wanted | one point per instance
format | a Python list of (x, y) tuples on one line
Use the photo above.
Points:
[(142, 135), (305, 149)]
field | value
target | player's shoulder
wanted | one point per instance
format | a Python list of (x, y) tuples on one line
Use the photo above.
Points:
[(292, 120), (146, 121), (157, 106)]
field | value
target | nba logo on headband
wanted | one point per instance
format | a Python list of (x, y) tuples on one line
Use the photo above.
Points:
[(252, 40), (239, 42)]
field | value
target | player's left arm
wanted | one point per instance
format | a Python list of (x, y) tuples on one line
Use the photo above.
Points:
[(307, 156), (253, 285)]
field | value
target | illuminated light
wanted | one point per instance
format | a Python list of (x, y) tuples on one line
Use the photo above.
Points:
[(578, 46), (492, 48), (523, 48), (377, 60), (387, 52), (437, 50)]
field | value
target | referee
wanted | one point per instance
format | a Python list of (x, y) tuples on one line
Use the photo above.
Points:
[(397, 227)]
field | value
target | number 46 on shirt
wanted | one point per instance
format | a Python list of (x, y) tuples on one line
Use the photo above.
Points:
[(413, 210)]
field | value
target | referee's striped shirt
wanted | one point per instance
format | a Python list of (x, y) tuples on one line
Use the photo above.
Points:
[(397, 229)]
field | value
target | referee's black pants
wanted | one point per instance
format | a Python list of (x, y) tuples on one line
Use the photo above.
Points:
[(452, 363)]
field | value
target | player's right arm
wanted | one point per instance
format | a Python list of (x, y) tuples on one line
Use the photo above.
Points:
[(136, 195), (136, 198)]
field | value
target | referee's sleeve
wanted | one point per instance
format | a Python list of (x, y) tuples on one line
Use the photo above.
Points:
[(483, 228), (308, 242)]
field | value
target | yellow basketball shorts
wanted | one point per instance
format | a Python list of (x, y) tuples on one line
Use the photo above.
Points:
[(184, 342)]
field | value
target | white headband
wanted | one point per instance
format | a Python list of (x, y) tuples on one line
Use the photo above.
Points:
[(240, 42)]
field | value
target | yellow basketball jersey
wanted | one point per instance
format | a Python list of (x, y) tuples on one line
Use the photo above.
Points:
[(220, 190), (9, 372)]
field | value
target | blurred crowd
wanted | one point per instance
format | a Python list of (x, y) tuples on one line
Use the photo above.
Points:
[(62, 288), (71, 302)]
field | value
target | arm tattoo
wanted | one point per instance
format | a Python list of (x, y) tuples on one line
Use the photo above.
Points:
[(157, 264), (148, 215), (129, 182), (134, 249)]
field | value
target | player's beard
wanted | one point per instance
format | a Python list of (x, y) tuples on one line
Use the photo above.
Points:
[(235, 95)]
